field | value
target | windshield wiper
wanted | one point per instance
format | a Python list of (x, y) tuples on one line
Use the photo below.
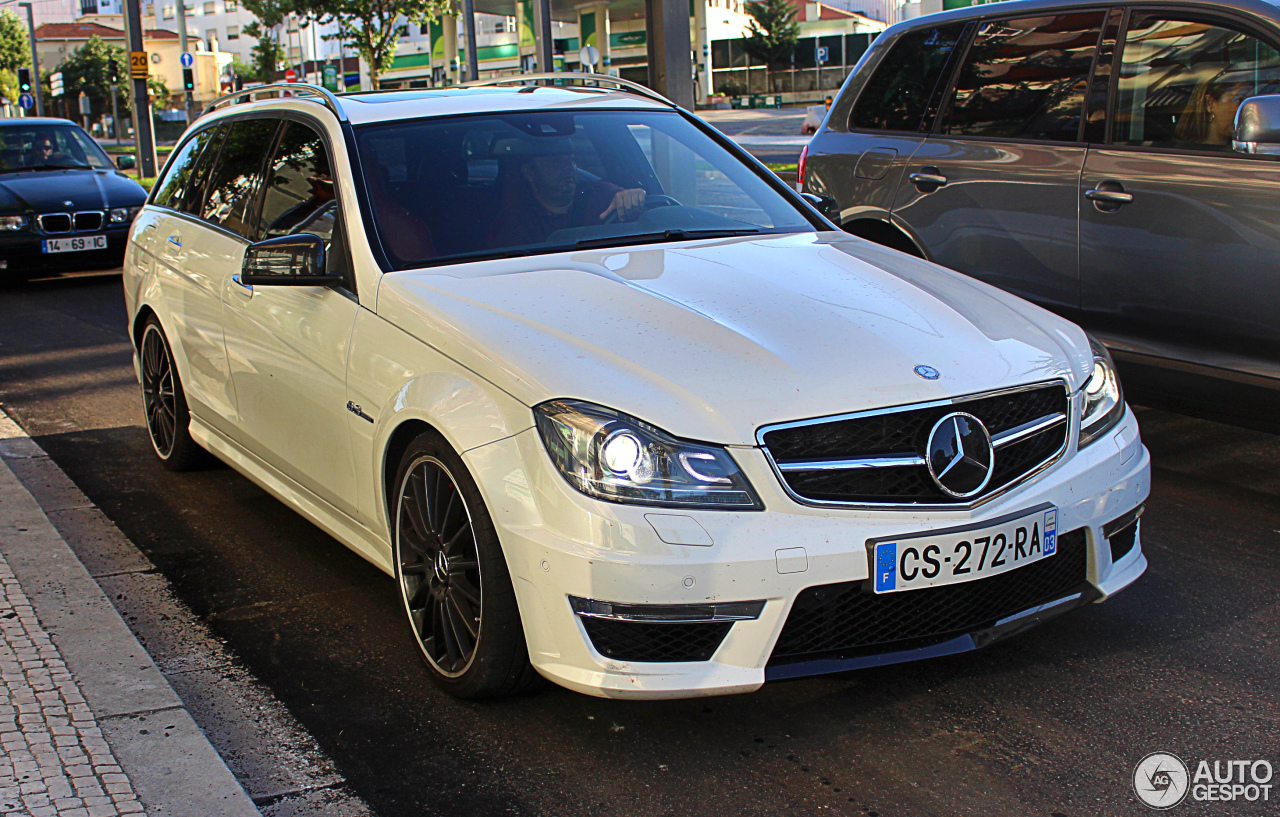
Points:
[(652, 238)]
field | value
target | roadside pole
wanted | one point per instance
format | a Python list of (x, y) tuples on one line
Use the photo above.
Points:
[(115, 112), (35, 60), (139, 70), (182, 40), (473, 59)]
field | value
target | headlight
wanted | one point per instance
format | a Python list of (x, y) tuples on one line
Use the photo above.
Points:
[(608, 455), (123, 215), (13, 223), (1103, 398)]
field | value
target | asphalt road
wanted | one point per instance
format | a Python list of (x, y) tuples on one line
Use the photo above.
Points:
[(1050, 723)]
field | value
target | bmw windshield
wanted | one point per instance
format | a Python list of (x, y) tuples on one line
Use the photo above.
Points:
[(49, 147), (528, 183)]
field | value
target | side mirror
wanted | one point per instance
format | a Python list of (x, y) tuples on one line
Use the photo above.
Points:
[(825, 205), (1258, 126), (289, 260), (126, 161)]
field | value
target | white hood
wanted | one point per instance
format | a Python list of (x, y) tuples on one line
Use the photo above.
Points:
[(710, 340)]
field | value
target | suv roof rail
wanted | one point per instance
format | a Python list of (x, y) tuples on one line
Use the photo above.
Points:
[(568, 77), (298, 90)]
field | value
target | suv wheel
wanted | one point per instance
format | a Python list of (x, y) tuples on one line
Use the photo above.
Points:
[(165, 404)]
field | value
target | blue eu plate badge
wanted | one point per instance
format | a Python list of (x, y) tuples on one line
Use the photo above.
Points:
[(1050, 532), (886, 566)]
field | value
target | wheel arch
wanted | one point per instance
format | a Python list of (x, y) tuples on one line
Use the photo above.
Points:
[(887, 232)]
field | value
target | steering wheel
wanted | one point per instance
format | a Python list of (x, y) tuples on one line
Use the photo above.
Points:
[(650, 203)]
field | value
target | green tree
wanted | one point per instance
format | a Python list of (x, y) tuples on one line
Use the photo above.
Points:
[(88, 69), (373, 28), (268, 53), (15, 50), (773, 33)]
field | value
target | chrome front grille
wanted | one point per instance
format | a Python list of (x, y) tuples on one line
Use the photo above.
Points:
[(55, 222), (877, 458), (86, 221)]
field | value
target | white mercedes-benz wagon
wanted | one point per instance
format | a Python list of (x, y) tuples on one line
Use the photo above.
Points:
[(611, 402)]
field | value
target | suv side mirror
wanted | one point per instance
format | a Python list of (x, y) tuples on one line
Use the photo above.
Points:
[(1258, 126), (126, 161), (288, 260), (826, 205)]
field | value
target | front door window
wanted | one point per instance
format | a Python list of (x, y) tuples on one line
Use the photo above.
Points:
[(1181, 82)]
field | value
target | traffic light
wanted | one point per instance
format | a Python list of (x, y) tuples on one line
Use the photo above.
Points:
[(188, 79), (115, 73), (24, 80)]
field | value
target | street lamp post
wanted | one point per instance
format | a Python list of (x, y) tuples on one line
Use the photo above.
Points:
[(35, 60)]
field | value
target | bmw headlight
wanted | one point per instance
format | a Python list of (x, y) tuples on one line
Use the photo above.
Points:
[(123, 215), (1103, 398), (13, 223), (609, 455)]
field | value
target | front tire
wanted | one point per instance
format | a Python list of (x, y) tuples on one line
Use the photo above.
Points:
[(453, 578), (165, 403)]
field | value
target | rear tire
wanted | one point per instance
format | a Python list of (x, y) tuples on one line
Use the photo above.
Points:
[(453, 579), (165, 403)]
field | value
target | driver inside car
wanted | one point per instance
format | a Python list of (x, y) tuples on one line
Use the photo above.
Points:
[(546, 193)]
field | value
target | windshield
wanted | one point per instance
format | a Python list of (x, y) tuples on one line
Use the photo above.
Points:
[(525, 183), (48, 147)]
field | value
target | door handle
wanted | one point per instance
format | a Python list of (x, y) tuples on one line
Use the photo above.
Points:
[(928, 177), (1108, 196)]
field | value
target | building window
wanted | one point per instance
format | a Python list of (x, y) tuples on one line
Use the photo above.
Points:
[(88, 6), (233, 32), (210, 7), (230, 5), (168, 12)]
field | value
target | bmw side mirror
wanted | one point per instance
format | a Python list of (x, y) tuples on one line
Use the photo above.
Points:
[(825, 205), (126, 162), (289, 260), (1258, 126)]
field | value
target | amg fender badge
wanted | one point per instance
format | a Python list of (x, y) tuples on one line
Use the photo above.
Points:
[(357, 411)]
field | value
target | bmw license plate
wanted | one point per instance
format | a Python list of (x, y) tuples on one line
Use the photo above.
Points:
[(86, 242), (934, 559)]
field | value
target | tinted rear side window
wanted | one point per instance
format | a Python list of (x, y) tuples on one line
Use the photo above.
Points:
[(234, 182), (192, 192), (897, 95), (169, 190), (1026, 78)]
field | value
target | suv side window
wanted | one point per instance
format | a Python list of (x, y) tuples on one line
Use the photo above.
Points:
[(170, 189), (898, 93), (1181, 81), (1026, 78), (300, 196), (233, 184)]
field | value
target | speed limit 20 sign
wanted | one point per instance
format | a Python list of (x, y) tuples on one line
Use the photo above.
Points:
[(139, 65)]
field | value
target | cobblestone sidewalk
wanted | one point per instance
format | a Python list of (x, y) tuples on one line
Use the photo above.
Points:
[(53, 758)]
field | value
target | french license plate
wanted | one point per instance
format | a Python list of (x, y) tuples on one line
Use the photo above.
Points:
[(931, 560), (87, 242)]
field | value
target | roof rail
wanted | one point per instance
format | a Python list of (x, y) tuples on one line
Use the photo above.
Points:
[(299, 90), (574, 77)]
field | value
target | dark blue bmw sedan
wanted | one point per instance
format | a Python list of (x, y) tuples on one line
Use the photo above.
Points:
[(63, 204)]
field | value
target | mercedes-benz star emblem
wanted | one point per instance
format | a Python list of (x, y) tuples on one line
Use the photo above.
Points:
[(960, 456), (927, 372)]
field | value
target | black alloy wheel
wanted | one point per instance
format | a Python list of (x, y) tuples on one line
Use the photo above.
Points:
[(439, 567), (453, 578), (165, 404)]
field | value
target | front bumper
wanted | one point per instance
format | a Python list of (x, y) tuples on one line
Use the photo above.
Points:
[(560, 544), (23, 255)]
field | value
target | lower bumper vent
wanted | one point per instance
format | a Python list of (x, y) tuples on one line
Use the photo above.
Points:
[(849, 620), (655, 640)]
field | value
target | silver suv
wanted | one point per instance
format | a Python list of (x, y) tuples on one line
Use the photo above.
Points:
[(1081, 155)]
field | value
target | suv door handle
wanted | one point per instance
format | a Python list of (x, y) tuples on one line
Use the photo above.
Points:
[(1108, 196), (928, 177)]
